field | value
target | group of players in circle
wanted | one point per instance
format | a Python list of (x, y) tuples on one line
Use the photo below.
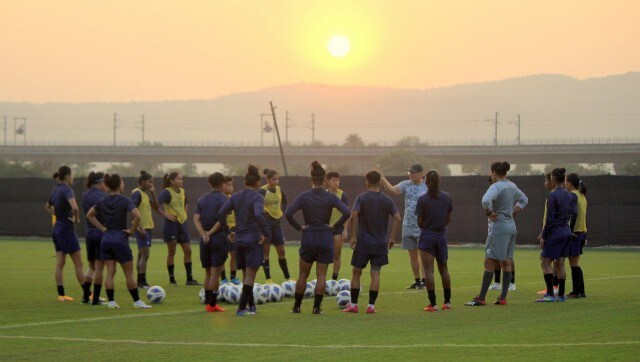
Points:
[(243, 225)]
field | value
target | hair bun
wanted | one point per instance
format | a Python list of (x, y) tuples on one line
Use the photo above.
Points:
[(253, 170), (265, 171), (315, 165), (563, 170), (506, 166), (143, 172)]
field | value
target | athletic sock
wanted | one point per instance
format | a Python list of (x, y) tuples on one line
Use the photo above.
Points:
[(355, 293), (97, 288), (575, 282), (251, 302), (61, 290), (513, 275), (581, 281), (373, 295), (447, 295), (506, 280), (267, 268), (497, 275), (213, 298), (317, 300), (187, 268), (207, 296), (233, 274), (247, 292), (110, 294), (487, 277), (86, 290), (561, 283), (423, 282), (548, 280), (170, 269), (432, 296), (298, 301), (223, 275), (134, 294), (334, 276), (555, 281), (284, 267)]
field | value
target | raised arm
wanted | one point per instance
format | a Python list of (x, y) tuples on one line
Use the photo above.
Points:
[(393, 190)]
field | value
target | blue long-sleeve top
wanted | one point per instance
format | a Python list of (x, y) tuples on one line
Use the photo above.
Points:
[(500, 198), (560, 211), (248, 206), (316, 205)]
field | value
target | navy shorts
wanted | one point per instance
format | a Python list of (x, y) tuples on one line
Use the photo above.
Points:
[(557, 244), (115, 246), (317, 246), (276, 237), (214, 253), (92, 242), (65, 239), (338, 230), (173, 230), (360, 259), (434, 243), (248, 255), (577, 240), (143, 242)]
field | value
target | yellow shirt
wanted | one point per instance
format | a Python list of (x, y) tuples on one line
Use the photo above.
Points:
[(176, 205), (335, 213), (273, 202), (146, 219), (231, 218), (581, 219)]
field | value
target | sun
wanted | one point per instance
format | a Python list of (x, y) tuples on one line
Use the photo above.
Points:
[(339, 46)]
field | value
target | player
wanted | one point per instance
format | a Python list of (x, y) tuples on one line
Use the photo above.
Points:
[(317, 239), (578, 188), (554, 264), (144, 197), (95, 192), (369, 221), (340, 234), (231, 223), (275, 202), (251, 232), (62, 204), (556, 235), (114, 246), (498, 272), (498, 202), (174, 201), (412, 189), (434, 214), (214, 248)]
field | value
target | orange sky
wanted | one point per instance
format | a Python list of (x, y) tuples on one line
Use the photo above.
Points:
[(158, 50)]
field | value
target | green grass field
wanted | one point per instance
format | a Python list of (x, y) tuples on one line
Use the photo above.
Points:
[(33, 325)]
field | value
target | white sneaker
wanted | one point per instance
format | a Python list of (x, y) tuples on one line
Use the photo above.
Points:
[(495, 286), (512, 286), (113, 305), (139, 304)]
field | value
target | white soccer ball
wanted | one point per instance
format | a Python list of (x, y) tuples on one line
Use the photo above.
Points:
[(156, 294), (233, 295), (289, 289), (308, 293), (260, 295), (331, 287), (257, 285), (343, 299), (314, 282), (203, 296), (275, 293), (344, 284)]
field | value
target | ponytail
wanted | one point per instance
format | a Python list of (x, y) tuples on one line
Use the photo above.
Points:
[(317, 173), (94, 178), (62, 173), (433, 183), (575, 181)]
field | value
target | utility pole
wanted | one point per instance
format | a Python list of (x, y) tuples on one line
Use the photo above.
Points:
[(495, 133), (313, 128), (143, 128), (518, 129), (275, 123), (115, 121), (286, 126), (5, 130)]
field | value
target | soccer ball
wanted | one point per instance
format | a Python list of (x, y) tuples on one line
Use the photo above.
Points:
[(267, 287), (308, 293), (260, 295), (343, 299), (233, 295), (331, 288), (203, 296), (314, 282), (289, 289), (156, 294), (344, 284), (222, 292), (275, 293), (257, 285)]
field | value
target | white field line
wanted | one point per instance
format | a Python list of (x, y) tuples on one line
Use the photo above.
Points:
[(321, 346)]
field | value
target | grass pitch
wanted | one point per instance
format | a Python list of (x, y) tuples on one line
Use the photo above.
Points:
[(34, 326)]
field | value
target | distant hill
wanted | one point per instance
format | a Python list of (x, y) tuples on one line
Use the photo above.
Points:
[(551, 106)]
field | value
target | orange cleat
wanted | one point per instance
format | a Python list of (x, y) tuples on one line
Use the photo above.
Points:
[(431, 308), (215, 308), (351, 309), (64, 298)]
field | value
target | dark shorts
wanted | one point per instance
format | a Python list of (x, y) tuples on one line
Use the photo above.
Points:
[(359, 259), (276, 237), (557, 244), (115, 246), (214, 253), (143, 242), (577, 240), (65, 239), (248, 255), (317, 246), (338, 230), (175, 231), (92, 242), (435, 244)]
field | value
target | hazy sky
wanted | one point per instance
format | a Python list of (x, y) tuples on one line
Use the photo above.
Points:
[(158, 50)]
